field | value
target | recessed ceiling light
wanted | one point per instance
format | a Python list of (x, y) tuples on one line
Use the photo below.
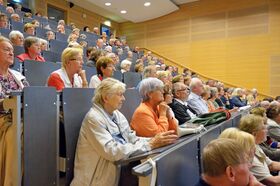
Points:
[(147, 4), (123, 11), (108, 4)]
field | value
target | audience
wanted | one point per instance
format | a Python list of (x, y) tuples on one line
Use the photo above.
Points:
[(237, 98), (50, 35), (152, 116), (105, 68), (225, 163), (3, 21), (105, 137), (195, 100), (15, 17), (10, 80), (183, 112), (29, 29), (125, 66), (261, 165), (71, 73), (16, 37), (273, 121), (32, 47)]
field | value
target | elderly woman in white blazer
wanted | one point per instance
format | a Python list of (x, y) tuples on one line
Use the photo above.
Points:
[(105, 137)]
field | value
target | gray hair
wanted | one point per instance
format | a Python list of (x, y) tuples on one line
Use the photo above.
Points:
[(15, 33), (125, 63), (148, 85), (107, 86), (194, 82), (29, 41), (148, 70)]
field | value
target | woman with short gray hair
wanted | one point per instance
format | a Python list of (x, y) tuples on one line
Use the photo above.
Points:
[(16, 37), (32, 47), (105, 137), (152, 116)]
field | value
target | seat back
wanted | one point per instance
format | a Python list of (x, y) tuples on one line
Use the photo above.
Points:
[(57, 46), (131, 79), (37, 73), (76, 103), (51, 56), (132, 101), (40, 136)]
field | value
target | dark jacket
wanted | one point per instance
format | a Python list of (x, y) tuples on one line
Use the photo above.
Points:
[(237, 102), (180, 111)]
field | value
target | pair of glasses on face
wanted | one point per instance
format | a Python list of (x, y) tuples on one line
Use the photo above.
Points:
[(184, 89)]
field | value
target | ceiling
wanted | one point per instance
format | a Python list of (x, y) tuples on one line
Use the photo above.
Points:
[(136, 11)]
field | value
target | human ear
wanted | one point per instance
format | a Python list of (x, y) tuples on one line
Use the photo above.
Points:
[(230, 173)]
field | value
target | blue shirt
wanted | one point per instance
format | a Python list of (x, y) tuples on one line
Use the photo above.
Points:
[(197, 103)]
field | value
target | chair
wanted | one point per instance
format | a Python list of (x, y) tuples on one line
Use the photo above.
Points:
[(132, 101), (17, 26), (18, 50), (17, 65), (37, 73), (90, 71), (57, 46), (118, 75), (61, 37), (5, 32), (51, 56), (41, 32), (40, 136), (131, 79), (76, 103)]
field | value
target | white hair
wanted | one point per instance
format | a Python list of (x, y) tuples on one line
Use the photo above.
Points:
[(194, 82), (15, 33), (111, 55), (148, 85), (125, 63), (108, 49)]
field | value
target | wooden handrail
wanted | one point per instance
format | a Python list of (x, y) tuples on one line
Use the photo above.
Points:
[(202, 76)]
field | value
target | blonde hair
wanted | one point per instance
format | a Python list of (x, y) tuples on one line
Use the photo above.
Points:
[(107, 86), (245, 139), (251, 123), (28, 25), (221, 153), (4, 39), (69, 53)]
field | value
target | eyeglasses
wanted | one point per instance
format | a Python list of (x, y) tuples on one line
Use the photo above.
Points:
[(184, 89)]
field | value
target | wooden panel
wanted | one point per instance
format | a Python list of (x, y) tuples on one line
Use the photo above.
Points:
[(231, 40), (275, 75), (75, 14)]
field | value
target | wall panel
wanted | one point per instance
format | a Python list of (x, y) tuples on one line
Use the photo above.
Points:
[(230, 40)]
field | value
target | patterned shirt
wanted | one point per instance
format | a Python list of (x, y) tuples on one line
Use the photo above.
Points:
[(9, 84)]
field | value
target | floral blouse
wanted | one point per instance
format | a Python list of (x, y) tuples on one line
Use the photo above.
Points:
[(9, 84)]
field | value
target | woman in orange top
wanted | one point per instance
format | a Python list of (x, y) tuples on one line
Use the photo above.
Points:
[(153, 115)]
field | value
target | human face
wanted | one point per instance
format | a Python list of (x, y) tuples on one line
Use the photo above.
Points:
[(15, 17), (198, 89), (50, 35), (109, 70), (260, 135), (183, 92), (6, 54), (75, 64), (35, 49), (3, 23), (168, 98), (30, 30), (156, 96), (43, 46), (18, 41), (114, 101)]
